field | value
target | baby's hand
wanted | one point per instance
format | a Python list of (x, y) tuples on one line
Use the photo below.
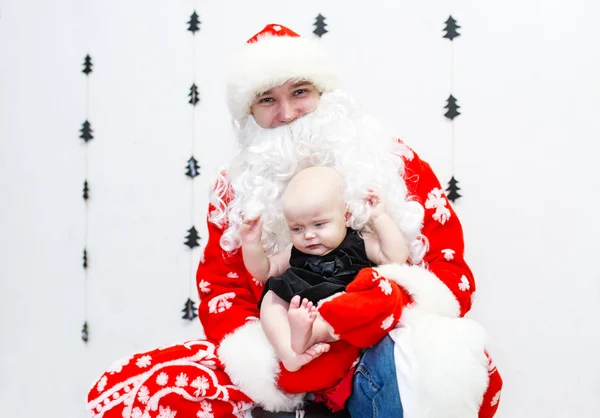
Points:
[(376, 203), (251, 231)]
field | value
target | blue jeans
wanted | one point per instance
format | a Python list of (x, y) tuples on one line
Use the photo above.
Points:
[(375, 386)]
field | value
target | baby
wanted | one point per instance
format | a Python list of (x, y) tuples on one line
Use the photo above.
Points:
[(325, 255)]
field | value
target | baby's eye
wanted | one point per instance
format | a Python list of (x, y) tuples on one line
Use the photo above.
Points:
[(296, 229), (320, 224)]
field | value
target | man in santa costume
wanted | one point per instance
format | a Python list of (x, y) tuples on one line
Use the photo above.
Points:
[(404, 348)]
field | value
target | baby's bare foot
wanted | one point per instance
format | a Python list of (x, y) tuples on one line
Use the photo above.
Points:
[(298, 360), (301, 317)]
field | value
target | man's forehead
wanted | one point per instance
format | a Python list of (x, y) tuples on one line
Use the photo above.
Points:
[(291, 86)]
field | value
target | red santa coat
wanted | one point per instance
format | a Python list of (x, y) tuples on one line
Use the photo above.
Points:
[(235, 367)]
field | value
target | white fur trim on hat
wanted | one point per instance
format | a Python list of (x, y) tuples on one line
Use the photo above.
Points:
[(270, 62), (253, 367)]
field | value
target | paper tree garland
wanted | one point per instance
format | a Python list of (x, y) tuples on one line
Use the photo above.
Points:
[(193, 95), (320, 26), (192, 170), (189, 310), (86, 135), (451, 29), (86, 132), (452, 190), (194, 23), (192, 238), (452, 107)]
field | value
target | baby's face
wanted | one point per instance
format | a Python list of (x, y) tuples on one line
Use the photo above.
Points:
[(317, 228)]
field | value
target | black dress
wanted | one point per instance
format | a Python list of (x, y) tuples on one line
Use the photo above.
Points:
[(317, 277)]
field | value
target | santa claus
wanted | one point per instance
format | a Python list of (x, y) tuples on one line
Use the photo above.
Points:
[(404, 347)]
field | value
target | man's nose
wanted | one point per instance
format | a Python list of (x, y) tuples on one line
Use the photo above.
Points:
[(287, 112)]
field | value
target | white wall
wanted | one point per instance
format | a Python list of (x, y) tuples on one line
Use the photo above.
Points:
[(526, 76)]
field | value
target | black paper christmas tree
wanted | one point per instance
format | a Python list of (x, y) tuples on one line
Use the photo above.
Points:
[(452, 107), (193, 95), (85, 259), (84, 332), (452, 190), (87, 65), (320, 26), (86, 190), (86, 132), (189, 310), (192, 169), (451, 29), (194, 23), (192, 238)]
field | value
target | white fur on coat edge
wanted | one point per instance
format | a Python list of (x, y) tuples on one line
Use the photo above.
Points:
[(253, 367), (440, 357)]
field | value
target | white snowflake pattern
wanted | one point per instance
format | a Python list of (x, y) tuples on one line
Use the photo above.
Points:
[(387, 322), (200, 384), (436, 200), (116, 396), (232, 275), (448, 254), (101, 384), (496, 398), (162, 379), (241, 406), (181, 380), (143, 395), (118, 365), (220, 303), (166, 413), (464, 284), (206, 411), (136, 413), (385, 287), (204, 286), (376, 276), (144, 361), (258, 283)]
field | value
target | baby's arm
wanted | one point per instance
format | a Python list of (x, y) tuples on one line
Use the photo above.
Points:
[(258, 264), (388, 244)]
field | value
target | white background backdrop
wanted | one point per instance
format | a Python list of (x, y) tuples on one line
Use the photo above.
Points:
[(526, 76)]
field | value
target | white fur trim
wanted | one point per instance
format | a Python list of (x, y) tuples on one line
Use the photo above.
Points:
[(429, 293), (440, 357), (441, 365), (253, 367), (272, 61)]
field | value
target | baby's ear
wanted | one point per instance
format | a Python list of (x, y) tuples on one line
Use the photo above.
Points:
[(348, 214)]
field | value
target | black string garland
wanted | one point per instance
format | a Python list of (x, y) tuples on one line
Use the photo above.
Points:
[(452, 107), (192, 170), (86, 133)]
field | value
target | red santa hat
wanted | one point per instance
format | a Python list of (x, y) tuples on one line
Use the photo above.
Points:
[(273, 56)]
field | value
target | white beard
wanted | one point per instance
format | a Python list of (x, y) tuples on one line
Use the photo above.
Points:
[(336, 134)]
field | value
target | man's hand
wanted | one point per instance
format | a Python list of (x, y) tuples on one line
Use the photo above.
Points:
[(251, 231), (376, 204)]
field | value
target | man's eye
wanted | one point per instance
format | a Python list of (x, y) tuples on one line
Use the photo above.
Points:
[(300, 91), (266, 100)]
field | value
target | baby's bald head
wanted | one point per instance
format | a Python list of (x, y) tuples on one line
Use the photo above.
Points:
[(314, 186)]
